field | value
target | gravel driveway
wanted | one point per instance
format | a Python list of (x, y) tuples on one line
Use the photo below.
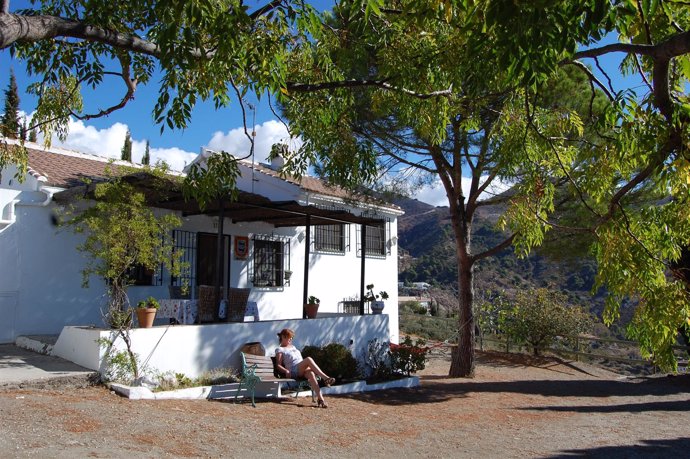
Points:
[(516, 406)]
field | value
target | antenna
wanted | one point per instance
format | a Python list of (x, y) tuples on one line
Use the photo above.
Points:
[(252, 107)]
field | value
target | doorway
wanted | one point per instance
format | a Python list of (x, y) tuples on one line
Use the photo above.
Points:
[(206, 260)]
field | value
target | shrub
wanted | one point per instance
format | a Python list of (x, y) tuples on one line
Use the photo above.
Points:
[(428, 327), (335, 360), (408, 357), (540, 315), (415, 307), (376, 365)]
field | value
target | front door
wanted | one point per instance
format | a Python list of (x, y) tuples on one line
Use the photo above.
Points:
[(207, 251)]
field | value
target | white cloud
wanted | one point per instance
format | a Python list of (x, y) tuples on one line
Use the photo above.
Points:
[(176, 158), (107, 142), (88, 139), (236, 142), (436, 195)]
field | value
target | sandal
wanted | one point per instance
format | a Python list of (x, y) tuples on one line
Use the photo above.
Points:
[(329, 382), (321, 403)]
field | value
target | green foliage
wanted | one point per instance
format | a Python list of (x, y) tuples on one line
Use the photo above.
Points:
[(121, 366), (414, 307), (173, 381), (216, 180), (149, 302), (371, 296), (434, 328), (313, 300), (9, 122), (376, 364), (122, 232), (146, 159), (334, 359), (538, 316), (408, 357), (126, 152)]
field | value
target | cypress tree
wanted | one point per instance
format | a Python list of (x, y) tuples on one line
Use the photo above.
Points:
[(147, 156), (23, 129), (127, 148), (9, 123)]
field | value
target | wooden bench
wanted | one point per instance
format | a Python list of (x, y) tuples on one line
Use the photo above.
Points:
[(261, 369)]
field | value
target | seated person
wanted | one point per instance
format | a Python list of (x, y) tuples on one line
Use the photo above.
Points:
[(290, 363)]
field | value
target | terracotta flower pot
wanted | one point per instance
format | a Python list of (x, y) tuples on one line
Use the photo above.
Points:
[(311, 310), (146, 316)]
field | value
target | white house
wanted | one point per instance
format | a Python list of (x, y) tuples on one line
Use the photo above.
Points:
[(299, 226)]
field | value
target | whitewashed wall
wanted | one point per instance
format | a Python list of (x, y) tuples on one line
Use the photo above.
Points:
[(193, 349)]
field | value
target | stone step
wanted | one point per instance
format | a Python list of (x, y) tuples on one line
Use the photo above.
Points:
[(41, 344)]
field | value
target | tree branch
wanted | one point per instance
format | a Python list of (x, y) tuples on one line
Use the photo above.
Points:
[(20, 28), (129, 95), (495, 249), (311, 87)]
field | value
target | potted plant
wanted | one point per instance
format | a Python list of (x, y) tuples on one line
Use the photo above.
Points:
[(375, 300), (312, 307), (287, 274), (146, 311)]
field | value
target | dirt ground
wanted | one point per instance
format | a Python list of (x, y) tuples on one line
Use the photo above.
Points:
[(516, 406)]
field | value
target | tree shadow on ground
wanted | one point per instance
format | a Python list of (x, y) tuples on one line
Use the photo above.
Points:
[(669, 406), (665, 448), (501, 359), (436, 390)]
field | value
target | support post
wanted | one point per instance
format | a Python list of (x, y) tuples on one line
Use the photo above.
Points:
[(361, 279), (305, 291)]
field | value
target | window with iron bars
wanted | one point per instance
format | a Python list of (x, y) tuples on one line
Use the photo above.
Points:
[(375, 240), (270, 259), (139, 275), (331, 238)]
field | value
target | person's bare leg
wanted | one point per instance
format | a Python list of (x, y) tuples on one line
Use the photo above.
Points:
[(314, 384), (309, 364)]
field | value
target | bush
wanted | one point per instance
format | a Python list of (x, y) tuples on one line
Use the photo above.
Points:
[(539, 316), (428, 327), (334, 359), (414, 307), (408, 357)]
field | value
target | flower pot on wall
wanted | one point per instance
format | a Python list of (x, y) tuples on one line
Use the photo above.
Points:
[(311, 309), (377, 307), (146, 316)]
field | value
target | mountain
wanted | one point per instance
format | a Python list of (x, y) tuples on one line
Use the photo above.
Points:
[(425, 234)]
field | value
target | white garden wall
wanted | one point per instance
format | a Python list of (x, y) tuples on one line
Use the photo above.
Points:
[(193, 349)]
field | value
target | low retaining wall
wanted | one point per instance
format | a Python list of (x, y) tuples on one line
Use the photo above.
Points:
[(263, 390), (194, 349)]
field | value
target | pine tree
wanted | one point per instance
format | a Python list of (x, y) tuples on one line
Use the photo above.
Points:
[(33, 135), (127, 148), (23, 129), (9, 123), (146, 159)]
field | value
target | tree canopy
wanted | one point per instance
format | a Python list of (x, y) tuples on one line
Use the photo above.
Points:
[(424, 62), (489, 60)]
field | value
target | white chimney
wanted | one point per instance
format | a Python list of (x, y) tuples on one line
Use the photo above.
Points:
[(277, 163)]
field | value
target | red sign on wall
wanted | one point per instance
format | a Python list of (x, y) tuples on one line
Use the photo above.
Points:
[(241, 247)]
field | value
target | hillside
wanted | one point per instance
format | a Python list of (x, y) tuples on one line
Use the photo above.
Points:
[(424, 232)]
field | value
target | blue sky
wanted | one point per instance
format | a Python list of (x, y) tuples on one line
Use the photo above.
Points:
[(216, 129)]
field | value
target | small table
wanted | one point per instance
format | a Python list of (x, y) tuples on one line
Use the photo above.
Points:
[(252, 310), (184, 311)]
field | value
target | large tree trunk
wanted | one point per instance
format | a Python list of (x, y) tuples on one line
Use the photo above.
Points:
[(462, 362)]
